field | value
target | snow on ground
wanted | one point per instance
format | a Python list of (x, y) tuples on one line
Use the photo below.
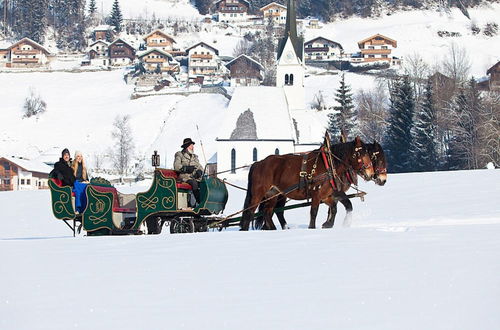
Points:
[(163, 9), (423, 253), (416, 32)]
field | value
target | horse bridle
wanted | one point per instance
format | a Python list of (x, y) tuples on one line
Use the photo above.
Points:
[(378, 170), (357, 155)]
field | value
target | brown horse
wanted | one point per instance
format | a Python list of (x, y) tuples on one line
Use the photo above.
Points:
[(380, 177), (280, 175)]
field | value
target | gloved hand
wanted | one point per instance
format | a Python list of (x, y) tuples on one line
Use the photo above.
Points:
[(198, 174), (187, 169)]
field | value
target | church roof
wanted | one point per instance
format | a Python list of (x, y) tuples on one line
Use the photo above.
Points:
[(257, 113)]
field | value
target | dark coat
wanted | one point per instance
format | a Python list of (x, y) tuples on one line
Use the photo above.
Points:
[(63, 172)]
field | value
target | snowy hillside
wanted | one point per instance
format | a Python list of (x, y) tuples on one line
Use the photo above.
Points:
[(417, 32), (164, 9), (423, 253)]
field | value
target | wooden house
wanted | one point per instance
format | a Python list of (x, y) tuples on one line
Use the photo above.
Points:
[(275, 12), (103, 32), (322, 49), (23, 174), (231, 10), (203, 60), (159, 40), (4, 57), (153, 59), (245, 71), (26, 53), (98, 53), (377, 48), (121, 53), (494, 77)]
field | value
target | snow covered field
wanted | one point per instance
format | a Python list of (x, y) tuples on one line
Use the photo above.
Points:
[(423, 253)]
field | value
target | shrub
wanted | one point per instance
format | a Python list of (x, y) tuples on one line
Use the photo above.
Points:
[(33, 105)]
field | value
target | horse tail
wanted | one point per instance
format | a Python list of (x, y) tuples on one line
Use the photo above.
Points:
[(247, 214)]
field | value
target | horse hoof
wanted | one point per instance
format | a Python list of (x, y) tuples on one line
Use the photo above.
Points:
[(312, 227), (327, 225)]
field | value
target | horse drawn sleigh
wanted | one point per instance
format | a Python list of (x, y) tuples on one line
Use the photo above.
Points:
[(322, 176)]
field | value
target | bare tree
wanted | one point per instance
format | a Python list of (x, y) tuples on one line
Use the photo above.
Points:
[(242, 47), (489, 129), (318, 102), (33, 105), (372, 113), (417, 70), (456, 64), (124, 144)]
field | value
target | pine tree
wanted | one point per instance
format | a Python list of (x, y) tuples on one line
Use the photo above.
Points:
[(92, 8), (399, 141), (424, 149), (30, 19), (116, 17), (343, 120)]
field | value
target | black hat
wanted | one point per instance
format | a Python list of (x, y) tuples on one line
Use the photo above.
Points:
[(65, 151), (186, 143)]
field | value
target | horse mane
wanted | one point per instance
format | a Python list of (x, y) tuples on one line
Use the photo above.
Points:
[(342, 151)]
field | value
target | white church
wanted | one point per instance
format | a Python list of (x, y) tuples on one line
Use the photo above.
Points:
[(261, 120)]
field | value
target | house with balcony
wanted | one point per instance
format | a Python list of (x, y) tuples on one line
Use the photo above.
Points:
[(157, 59), (275, 12), (98, 54), (25, 53), (494, 77), (245, 71), (159, 40), (322, 49), (377, 48), (121, 53), (229, 11), (203, 60), (23, 174)]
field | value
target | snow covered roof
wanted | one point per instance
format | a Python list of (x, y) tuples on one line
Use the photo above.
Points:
[(257, 113), (29, 165), (204, 44), (155, 50), (103, 28), (378, 35), (33, 43), (159, 32), (272, 4), (247, 57), (99, 42), (309, 125), (323, 38)]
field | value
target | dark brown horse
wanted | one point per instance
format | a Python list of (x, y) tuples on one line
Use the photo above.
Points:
[(280, 175), (380, 177)]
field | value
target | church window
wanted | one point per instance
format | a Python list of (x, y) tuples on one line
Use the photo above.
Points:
[(291, 79), (276, 151), (254, 154), (286, 79), (233, 161)]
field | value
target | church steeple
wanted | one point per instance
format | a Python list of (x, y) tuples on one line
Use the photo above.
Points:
[(291, 32)]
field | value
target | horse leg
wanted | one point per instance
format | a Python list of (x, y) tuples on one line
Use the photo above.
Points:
[(280, 214), (268, 214), (332, 212), (348, 208), (259, 220), (314, 212)]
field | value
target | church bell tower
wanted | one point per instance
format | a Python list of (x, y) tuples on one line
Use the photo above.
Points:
[(290, 67)]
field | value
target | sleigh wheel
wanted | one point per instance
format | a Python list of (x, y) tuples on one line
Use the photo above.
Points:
[(181, 225)]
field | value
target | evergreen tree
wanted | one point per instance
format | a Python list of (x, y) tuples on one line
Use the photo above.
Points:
[(30, 19), (69, 23), (399, 141), (424, 149), (343, 120), (116, 17), (92, 8)]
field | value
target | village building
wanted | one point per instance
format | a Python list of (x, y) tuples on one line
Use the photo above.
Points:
[(103, 32), (377, 48), (203, 60), (274, 11), (159, 40), (228, 11), (157, 59), (245, 71), (25, 53), (322, 49), (23, 174), (98, 54), (265, 120), (494, 77), (121, 53)]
